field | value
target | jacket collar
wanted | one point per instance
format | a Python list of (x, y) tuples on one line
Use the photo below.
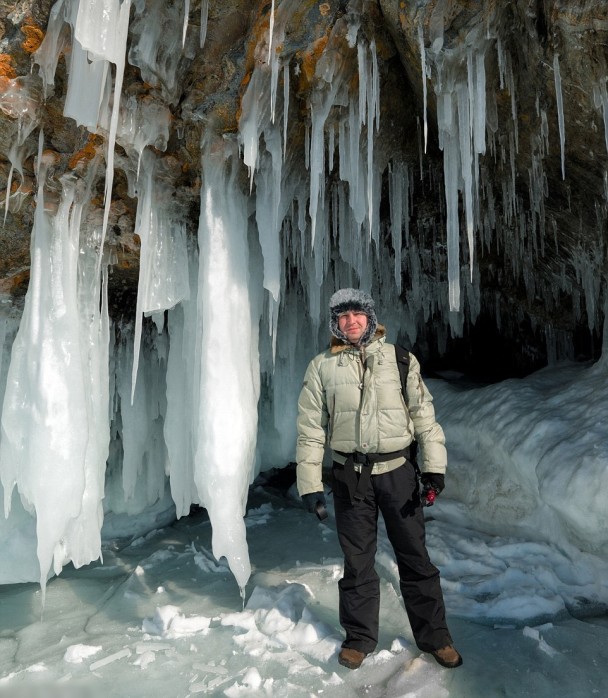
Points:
[(337, 345)]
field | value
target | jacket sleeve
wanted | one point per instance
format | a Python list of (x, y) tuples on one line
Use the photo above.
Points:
[(312, 428), (428, 432)]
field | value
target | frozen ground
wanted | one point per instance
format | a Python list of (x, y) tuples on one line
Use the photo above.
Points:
[(161, 618), (520, 536)]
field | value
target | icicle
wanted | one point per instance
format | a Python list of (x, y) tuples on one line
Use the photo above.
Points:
[(375, 86), (204, 21), (9, 181), (18, 100), (424, 88), (370, 106), (285, 106), (465, 117), (270, 33), (269, 213), (363, 78), (156, 45), (143, 123), (253, 117), (87, 82), (602, 99), (560, 111), (436, 26), (399, 212), (274, 81), (101, 28), (317, 156), (163, 279), (449, 143), (183, 382), (53, 44), (186, 14), (143, 449), (479, 105)]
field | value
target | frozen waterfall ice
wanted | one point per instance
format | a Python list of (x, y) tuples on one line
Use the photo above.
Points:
[(184, 402), (227, 357), (55, 429)]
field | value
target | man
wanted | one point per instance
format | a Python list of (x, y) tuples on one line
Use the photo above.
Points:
[(352, 396)]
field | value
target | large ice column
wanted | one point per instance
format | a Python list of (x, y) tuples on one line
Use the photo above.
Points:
[(83, 532), (229, 361), (55, 413), (183, 384), (18, 530)]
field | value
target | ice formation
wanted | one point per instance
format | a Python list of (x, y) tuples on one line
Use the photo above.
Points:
[(197, 395), (55, 430)]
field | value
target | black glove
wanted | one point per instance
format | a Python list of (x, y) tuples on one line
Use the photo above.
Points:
[(315, 504), (432, 485), (433, 481)]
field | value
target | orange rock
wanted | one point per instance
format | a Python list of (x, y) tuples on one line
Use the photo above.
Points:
[(87, 152), (33, 36), (6, 67)]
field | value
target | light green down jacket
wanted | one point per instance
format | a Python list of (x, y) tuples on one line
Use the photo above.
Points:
[(352, 399)]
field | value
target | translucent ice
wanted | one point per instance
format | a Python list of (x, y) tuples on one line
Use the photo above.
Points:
[(55, 414), (229, 363)]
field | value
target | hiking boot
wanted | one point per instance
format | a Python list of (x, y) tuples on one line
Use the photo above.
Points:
[(447, 657), (351, 658)]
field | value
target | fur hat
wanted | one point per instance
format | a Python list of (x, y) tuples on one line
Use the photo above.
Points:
[(352, 299)]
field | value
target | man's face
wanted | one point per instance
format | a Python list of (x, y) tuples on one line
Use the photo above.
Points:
[(353, 324)]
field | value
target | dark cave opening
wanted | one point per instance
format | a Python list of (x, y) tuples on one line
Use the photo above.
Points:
[(487, 354)]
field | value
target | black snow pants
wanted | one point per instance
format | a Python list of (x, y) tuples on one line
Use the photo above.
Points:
[(395, 495)]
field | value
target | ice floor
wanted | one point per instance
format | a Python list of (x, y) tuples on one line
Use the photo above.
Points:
[(161, 618)]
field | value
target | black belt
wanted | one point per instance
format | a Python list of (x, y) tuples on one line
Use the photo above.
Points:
[(357, 487)]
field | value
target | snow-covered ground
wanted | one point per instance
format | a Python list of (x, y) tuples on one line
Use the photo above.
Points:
[(519, 537), (161, 617)]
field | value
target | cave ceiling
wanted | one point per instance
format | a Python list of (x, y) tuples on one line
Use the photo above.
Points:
[(541, 183)]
